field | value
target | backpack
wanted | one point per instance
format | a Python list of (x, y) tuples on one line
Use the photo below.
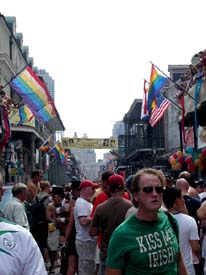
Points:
[(38, 211), (173, 224)]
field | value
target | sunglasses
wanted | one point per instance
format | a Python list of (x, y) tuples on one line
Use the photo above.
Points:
[(149, 189)]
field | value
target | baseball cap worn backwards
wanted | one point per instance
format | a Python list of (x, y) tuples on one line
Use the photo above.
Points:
[(117, 180), (88, 183)]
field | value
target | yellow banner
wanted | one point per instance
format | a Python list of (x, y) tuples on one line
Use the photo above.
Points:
[(14, 119), (89, 143)]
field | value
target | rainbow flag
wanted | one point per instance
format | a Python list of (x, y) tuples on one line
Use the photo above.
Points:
[(157, 82), (34, 94), (62, 153), (46, 145), (65, 156), (25, 114), (59, 153), (55, 151)]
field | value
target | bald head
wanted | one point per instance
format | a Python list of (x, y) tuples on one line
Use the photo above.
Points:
[(183, 185), (186, 175)]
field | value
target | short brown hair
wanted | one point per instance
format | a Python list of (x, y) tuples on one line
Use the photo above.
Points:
[(136, 179), (35, 173), (44, 184), (107, 174)]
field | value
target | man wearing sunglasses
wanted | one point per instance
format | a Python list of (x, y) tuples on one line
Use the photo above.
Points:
[(146, 242)]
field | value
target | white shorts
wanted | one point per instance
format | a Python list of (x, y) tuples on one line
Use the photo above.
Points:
[(53, 240)]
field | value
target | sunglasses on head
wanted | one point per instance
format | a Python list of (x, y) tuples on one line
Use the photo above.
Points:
[(149, 189)]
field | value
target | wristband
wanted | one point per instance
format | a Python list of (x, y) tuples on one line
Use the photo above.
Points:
[(58, 210)]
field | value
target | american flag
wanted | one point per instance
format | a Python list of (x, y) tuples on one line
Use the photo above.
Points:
[(159, 110)]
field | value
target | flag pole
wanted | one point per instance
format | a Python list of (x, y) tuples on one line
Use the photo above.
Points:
[(176, 85), (171, 101), (12, 78), (163, 73), (43, 156)]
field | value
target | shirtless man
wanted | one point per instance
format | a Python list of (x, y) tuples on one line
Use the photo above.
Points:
[(34, 185)]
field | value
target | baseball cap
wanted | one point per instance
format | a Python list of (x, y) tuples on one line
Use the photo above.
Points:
[(75, 182), (200, 183), (116, 181), (129, 181), (75, 179), (87, 183)]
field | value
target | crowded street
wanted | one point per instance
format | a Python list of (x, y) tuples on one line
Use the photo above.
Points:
[(102, 137)]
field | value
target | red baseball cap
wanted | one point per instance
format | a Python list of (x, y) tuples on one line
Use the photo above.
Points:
[(87, 183), (117, 180)]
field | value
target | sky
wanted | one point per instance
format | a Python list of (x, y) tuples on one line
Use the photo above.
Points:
[(99, 52)]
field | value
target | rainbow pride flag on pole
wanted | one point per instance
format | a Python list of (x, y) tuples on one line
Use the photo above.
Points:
[(157, 82), (55, 151), (59, 153), (46, 145), (34, 94)]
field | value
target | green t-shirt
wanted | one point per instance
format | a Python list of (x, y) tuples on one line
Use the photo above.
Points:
[(139, 247)]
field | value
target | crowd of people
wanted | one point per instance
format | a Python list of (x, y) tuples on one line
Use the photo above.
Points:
[(191, 76), (146, 224)]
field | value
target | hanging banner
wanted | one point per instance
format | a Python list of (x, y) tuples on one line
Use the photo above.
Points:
[(189, 137), (15, 119), (201, 142), (89, 143)]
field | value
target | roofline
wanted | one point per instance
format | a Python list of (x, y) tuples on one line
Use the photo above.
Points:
[(13, 36), (58, 116)]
